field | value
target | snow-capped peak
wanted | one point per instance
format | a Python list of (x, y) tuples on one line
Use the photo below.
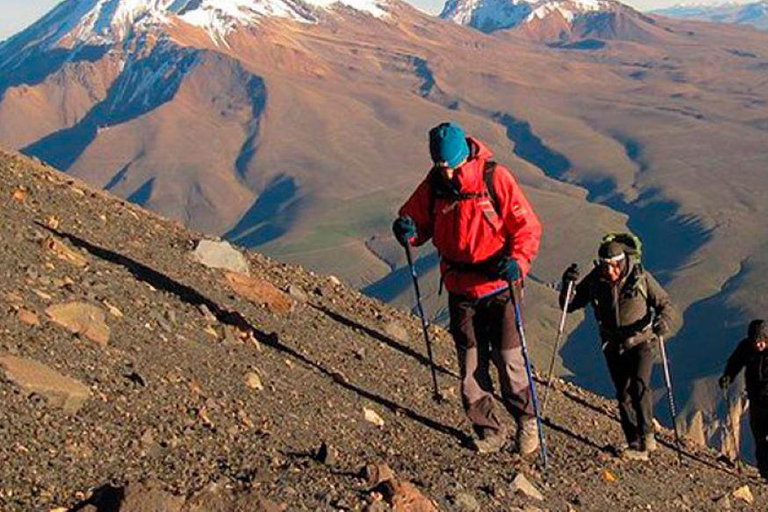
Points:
[(490, 15), (569, 9), (109, 21)]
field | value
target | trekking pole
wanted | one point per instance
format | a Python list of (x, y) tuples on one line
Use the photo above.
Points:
[(560, 329), (670, 398), (529, 371), (436, 396), (730, 430)]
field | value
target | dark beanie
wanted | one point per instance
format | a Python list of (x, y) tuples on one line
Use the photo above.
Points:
[(757, 330), (611, 251), (448, 143)]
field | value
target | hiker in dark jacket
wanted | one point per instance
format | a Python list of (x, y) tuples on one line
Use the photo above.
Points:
[(752, 355), (632, 310)]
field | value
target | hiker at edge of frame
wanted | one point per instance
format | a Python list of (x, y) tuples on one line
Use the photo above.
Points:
[(632, 311), (486, 235), (751, 355)]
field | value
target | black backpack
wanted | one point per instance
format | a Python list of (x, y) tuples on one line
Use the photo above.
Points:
[(442, 189)]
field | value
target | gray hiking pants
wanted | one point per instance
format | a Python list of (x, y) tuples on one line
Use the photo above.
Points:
[(484, 332)]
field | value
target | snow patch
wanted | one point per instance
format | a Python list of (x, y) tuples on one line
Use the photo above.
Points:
[(489, 15), (110, 21)]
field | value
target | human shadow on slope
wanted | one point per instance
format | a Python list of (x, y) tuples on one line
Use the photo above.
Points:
[(425, 361), (570, 433), (404, 349), (233, 318), (106, 498)]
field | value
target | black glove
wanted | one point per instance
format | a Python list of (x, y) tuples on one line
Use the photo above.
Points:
[(404, 229), (725, 381), (571, 274), (660, 327), (508, 269)]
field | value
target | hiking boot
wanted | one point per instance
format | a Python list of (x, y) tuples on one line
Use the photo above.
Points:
[(491, 443), (649, 443), (632, 454), (527, 436)]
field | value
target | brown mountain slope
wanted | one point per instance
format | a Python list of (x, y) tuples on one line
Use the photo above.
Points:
[(168, 397), (303, 139)]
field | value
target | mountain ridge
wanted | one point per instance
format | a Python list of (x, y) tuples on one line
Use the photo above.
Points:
[(749, 13)]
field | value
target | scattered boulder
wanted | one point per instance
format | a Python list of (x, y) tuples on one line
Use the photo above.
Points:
[(34, 377), (335, 281), (64, 253), (744, 494), (298, 293), (523, 486), (114, 311), (405, 497), (378, 473), (253, 381), (723, 503), (208, 316), (465, 502), (220, 255), (402, 495), (259, 292), (218, 497), (20, 195), (83, 319), (377, 505), (372, 417), (608, 476), (28, 317), (327, 454), (134, 497), (397, 331)]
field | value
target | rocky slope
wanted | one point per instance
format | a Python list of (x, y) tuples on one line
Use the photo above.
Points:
[(126, 361)]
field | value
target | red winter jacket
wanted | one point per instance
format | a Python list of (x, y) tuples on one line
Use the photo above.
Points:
[(469, 231)]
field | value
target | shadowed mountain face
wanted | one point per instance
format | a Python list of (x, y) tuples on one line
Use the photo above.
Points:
[(302, 139)]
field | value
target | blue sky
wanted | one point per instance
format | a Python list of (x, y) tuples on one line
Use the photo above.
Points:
[(18, 14)]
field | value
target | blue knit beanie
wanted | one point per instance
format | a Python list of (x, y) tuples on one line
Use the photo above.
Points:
[(448, 143)]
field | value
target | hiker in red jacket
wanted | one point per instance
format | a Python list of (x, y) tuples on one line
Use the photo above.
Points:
[(486, 235)]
